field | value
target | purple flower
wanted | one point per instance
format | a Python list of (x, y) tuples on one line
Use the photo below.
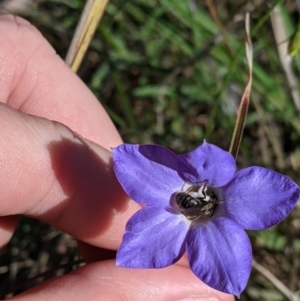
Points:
[(196, 203)]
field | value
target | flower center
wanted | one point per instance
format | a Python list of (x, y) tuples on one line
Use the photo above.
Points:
[(197, 201)]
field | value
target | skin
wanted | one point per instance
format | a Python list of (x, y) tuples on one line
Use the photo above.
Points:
[(56, 167)]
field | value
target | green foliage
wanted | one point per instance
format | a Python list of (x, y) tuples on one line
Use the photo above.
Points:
[(294, 43), (165, 75)]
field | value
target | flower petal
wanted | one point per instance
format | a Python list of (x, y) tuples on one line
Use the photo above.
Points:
[(258, 198), (207, 162), (148, 173), (154, 238), (219, 253)]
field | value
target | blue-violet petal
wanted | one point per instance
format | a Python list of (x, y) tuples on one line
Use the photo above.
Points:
[(154, 238), (219, 253), (147, 173), (207, 162), (258, 198)]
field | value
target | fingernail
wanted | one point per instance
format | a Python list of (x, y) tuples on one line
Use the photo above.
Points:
[(6, 17), (12, 18)]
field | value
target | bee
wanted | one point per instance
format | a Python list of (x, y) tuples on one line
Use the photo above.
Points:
[(193, 207)]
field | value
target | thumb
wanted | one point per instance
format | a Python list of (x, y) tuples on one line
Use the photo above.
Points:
[(51, 173)]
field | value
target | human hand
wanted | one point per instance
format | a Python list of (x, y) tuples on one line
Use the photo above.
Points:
[(49, 172)]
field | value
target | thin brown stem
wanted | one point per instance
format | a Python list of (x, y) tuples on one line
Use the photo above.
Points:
[(90, 18)]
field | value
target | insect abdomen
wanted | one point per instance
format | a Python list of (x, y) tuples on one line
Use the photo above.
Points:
[(186, 201)]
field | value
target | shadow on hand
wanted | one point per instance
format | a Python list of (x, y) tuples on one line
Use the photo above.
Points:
[(94, 199)]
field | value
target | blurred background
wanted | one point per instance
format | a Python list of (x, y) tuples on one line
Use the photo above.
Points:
[(173, 72)]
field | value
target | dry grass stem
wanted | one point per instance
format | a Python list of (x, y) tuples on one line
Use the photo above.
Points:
[(90, 18), (277, 283), (282, 40), (243, 108)]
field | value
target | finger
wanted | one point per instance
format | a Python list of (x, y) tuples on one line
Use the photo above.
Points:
[(35, 80), (92, 254), (7, 226), (50, 173), (104, 281)]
